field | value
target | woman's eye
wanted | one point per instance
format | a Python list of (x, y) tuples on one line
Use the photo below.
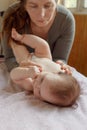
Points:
[(33, 6), (48, 6)]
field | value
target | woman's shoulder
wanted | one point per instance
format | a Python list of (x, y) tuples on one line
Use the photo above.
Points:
[(63, 11)]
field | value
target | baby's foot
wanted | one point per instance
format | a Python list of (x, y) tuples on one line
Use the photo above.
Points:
[(16, 35)]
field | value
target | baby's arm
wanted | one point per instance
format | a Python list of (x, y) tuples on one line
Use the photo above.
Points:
[(21, 73), (24, 77), (40, 45)]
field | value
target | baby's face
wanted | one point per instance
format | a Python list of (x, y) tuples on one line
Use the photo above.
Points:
[(42, 86)]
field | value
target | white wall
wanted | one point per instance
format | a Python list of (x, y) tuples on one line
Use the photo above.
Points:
[(4, 4)]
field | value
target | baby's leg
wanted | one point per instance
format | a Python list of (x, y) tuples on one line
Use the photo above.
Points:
[(15, 35), (40, 45)]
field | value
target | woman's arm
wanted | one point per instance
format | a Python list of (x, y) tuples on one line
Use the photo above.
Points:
[(10, 60), (64, 44), (61, 39)]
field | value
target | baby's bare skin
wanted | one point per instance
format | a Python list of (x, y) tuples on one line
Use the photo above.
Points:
[(41, 58), (39, 74)]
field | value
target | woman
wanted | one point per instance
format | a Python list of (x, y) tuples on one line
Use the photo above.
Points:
[(43, 18)]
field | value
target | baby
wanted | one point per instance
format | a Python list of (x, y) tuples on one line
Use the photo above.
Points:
[(44, 77)]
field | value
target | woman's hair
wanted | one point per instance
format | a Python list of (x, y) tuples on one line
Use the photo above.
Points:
[(16, 16)]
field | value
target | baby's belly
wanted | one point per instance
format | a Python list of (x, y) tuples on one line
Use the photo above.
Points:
[(47, 64)]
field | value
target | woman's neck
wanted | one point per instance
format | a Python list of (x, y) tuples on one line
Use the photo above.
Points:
[(41, 32)]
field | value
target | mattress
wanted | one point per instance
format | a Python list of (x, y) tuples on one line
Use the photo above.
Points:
[(21, 111)]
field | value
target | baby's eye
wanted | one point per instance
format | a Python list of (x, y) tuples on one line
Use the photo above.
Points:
[(41, 80)]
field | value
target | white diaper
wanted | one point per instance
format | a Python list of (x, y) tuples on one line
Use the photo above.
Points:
[(47, 64)]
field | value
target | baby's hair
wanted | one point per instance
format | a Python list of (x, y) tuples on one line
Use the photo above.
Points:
[(67, 91)]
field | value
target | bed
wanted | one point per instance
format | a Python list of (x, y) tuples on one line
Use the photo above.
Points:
[(19, 111)]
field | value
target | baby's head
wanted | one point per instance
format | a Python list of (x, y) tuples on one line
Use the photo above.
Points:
[(59, 89)]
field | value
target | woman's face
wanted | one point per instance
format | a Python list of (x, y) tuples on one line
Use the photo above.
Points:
[(41, 12)]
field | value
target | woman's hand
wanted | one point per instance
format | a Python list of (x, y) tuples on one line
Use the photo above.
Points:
[(64, 67)]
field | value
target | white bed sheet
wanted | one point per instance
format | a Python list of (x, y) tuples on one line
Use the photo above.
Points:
[(24, 112)]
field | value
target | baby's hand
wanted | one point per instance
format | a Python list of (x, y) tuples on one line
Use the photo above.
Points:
[(34, 71)]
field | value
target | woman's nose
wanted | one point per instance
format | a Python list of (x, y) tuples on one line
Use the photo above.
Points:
[(42, 12)]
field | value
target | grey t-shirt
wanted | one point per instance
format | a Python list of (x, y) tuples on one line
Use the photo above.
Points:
[(60, 38)]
